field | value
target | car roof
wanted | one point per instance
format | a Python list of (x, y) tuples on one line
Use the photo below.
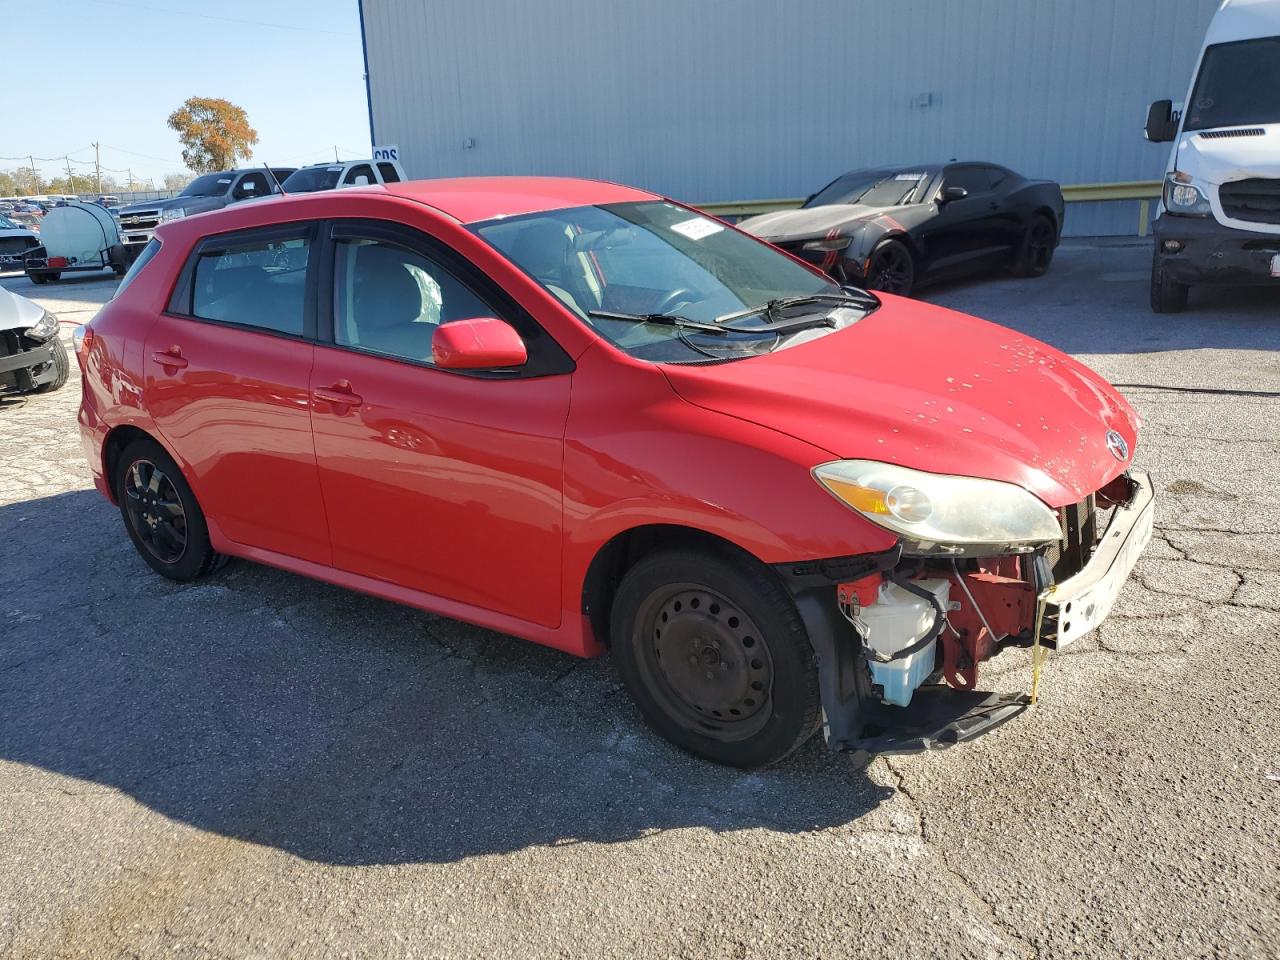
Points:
[(472, 199)]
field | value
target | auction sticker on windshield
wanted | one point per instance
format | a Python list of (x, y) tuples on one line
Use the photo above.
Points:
[(697, 228)]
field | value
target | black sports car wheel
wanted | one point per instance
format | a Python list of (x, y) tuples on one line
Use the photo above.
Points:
[(1036, 252), (891, 268)]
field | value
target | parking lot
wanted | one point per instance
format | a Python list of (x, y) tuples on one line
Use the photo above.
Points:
[(260, 765)]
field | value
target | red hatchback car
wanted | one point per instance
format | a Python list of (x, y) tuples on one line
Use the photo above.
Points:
[(592, 417)]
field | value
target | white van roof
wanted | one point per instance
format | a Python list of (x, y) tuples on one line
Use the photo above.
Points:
[(1244, 20)]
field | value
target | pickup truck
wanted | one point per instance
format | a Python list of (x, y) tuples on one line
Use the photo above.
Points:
[(212, 191)]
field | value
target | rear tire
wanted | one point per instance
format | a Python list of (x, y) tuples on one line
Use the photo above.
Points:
[(1167, 296), (715, 656), (161, 514), (1036, 250), (38, 278), (62, 364)]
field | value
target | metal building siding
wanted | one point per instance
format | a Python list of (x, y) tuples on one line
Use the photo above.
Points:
[(745, 99)]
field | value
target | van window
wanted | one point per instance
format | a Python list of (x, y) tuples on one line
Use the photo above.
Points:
[(388, 172), (255, 283), (1239, 83)]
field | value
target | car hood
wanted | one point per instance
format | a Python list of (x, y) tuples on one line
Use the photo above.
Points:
[(192, 204), (813, 222), (1218, 158), (18, 232), (17, 313), (934, 390)]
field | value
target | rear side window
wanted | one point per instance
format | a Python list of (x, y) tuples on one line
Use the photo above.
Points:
[(259, 283), (388, 172), (360, 175), (149, 251), (973, 179)]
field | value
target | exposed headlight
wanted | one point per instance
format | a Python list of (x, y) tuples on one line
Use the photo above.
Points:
[(837, 243), (45, 328), (937, 513), (1183, 198), (177, 213)]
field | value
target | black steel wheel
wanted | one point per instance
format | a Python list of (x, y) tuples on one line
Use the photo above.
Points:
[(715, 655), (1036, 252), (891, 268), (160, 513)]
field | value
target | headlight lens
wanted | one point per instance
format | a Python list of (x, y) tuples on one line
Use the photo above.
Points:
[(45, 328), (1183, 198), (834, 243), (175, 214), (937, 513)]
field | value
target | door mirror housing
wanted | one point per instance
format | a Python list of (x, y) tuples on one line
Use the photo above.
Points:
[(1162, 122), (482, 343), (952, 193)]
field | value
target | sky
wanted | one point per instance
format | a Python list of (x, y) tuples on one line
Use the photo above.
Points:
[(112, 71)]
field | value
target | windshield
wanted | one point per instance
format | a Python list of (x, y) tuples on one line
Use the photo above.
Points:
[(633, 260), (310, 179), (7, 224), (876, 188), (210, 185), (1238, 83)]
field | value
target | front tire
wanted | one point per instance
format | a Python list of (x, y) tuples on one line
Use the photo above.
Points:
[(161, 514), (62, 366), (1167, 296), (715, 656), (891, 268), (1036, 250)]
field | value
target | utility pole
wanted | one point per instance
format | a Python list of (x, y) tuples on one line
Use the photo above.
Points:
[(335, 154), (35, 174), (71, 180), (97, 168)]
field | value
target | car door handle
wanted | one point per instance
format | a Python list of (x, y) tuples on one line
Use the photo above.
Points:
[(171, 359), (340, 394)]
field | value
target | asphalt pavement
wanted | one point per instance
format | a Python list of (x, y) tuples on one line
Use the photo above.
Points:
[(260, 765)]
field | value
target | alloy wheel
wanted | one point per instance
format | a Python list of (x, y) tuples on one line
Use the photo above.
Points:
[(155, 511)]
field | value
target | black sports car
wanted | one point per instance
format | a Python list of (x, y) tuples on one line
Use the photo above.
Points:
[(895, 228)]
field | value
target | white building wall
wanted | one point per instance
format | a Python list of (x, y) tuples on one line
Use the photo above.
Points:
[(709, 100)]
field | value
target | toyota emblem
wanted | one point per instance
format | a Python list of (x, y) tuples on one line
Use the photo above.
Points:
[(1116, 444)]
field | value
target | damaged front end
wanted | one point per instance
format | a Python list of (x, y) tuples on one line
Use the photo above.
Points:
[(900, 636)]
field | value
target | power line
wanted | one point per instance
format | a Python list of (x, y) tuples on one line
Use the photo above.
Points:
[(135, 153), (209, 16)]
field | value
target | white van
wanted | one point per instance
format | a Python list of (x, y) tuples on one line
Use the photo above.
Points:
[(1220, 213)]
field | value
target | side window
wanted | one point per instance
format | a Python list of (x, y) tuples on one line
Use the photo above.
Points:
[(359, 176), (995, 176), (149, 251), (251, 185), (388, 172), (389, 300), (973, 179), (258, 283)]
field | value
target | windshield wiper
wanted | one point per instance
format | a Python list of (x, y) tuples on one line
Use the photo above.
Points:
[(770, 309), (665, 319), (683, 323)]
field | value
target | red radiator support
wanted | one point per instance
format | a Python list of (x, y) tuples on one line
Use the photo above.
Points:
[(1008, 603)]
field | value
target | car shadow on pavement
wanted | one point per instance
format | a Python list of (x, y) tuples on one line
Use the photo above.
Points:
[(1081, 309), (340, 728)]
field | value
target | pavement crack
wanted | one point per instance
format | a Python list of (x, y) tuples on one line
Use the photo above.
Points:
[(966, 887)]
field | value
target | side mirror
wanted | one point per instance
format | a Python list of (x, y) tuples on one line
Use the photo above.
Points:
[(1162, 122), (484, 343), (952, 193)]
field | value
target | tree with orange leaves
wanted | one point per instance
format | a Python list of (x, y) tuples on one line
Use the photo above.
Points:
[(215, 133)]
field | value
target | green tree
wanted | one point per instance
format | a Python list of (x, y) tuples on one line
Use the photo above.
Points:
[(215, 133)]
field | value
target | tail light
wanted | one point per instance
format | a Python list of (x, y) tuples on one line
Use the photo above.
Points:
[(57, 261), (82, 340)]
